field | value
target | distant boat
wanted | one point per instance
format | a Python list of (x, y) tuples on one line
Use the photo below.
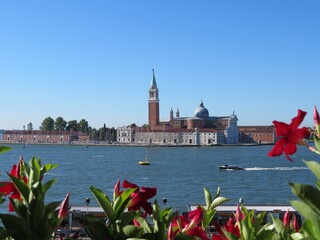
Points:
[(230, 167), (145, 162)]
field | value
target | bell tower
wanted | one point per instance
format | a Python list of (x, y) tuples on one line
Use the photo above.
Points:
[(153, 102)]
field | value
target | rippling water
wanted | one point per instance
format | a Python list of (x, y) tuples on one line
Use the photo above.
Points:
[(178, 173)]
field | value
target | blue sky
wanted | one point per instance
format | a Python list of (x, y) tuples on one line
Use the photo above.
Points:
[(94, 60)]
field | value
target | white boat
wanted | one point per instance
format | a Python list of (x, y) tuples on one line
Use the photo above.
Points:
[(230, 167)]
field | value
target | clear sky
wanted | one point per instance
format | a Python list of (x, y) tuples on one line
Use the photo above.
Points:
[(94, 59)]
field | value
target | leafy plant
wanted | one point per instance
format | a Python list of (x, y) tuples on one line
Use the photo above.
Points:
[(33, 219)]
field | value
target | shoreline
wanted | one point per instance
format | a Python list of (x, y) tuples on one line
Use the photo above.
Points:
[(103, 144)]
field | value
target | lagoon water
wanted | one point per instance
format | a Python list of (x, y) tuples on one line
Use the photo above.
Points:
[(179, 173)]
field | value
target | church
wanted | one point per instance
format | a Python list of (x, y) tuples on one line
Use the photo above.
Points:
[(197, 130)]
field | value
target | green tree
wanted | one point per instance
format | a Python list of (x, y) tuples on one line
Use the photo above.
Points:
[(83, 126), (102, 133), (47, 124), (60, 124), (29, 127), (72, 125)]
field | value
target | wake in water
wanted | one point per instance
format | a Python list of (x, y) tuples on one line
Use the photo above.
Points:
[(276, 169)]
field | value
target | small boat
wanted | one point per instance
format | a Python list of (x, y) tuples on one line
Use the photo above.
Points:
[(144, 162), (230, 167)]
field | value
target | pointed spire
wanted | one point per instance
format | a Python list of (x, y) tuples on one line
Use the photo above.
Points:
[(153, 80), (201, 104)]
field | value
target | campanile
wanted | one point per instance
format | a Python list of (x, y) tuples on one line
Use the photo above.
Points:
[(153, 102)]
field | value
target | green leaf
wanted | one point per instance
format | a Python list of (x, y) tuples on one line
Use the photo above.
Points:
[(127, 217), (208, 198), (19, 227), (308, 229), (47, 185), (259, 220), (314, 167), (317, 142), (4, 149), (218, 201), (309, 215), (144, 224), (131, 231), (51, 208), (21, 187), (308, 194), (20, 209), (278, 225), (47, 167), (96, 229), (104, 203), (34, 175), (121, 202), (217, 193)]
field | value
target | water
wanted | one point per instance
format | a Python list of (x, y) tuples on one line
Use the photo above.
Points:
[(179, 173)]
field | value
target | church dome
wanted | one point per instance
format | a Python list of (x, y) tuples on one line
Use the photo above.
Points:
[(201, 111)]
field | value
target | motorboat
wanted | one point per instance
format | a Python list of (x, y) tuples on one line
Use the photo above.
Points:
[(144, 163), (230, 167)]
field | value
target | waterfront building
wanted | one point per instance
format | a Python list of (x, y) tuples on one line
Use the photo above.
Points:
[(39, 136), (257, 134), (125, 134), (199, 129)]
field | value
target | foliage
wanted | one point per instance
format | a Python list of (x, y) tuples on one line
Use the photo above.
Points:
[(33, 218), (47, 124)]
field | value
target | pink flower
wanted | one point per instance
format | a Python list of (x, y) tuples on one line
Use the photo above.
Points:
[(316, 116), (290, 135)]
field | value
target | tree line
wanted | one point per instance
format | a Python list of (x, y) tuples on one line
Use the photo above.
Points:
[(101, 134)]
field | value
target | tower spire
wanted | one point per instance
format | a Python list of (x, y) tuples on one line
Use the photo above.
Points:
[(153, 102), (153, 81)]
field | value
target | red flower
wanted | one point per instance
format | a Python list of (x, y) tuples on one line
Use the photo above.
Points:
[(116, 189), (64, 208), (139, 198), (239, 214), (189, 226), (296, 226), (8, 187), (230, 227), (286, 219), (290, 135)]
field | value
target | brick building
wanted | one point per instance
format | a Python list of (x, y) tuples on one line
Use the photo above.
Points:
[(257, 134), (39, 136)]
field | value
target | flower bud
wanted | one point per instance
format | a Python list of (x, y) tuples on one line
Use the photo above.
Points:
[(286, 219), (316, 116)]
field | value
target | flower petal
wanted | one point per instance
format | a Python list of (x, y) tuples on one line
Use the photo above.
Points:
[(278, 148), (127, 184), (296, 121), (290, 149), (282, 129), (64, 207)]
